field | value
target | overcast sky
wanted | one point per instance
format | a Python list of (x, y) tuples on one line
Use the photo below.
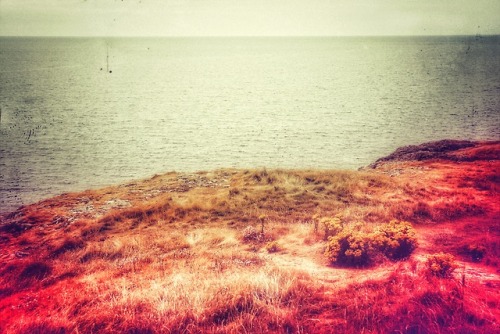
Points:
[(248, 17)]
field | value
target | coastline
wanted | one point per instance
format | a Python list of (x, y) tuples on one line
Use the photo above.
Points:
[(407, 157), (186, 234)]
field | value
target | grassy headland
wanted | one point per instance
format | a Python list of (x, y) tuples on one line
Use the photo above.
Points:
[(243, 251)]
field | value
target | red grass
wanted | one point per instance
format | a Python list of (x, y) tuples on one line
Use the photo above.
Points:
[(174, 254)]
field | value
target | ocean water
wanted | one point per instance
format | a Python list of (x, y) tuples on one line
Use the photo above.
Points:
[(190, 104)]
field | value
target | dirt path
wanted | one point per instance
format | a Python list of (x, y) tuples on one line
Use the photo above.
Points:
[(338, 277)]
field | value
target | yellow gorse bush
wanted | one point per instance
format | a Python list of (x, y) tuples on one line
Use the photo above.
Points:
[(441, 264), (350, 246), (396, 239), (332, 225), (353, 246)]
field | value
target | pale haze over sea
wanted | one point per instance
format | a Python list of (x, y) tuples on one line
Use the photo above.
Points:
[(190, 104)]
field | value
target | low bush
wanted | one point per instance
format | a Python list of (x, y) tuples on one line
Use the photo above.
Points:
[(332, 226), (351, 246), (396, 239), (441, 264)]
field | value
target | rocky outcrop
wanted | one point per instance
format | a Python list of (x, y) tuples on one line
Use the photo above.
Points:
[(451, 150)]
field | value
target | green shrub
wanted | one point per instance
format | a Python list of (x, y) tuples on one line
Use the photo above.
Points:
[(396, 240), (441, 264), (351, 246)]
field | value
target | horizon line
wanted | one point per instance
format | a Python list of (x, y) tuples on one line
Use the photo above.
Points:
[(246, 36)]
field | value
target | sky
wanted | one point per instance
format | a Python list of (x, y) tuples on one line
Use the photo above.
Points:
[(248, 17)]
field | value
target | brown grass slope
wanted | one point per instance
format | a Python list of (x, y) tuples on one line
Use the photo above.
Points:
[(242, 251)]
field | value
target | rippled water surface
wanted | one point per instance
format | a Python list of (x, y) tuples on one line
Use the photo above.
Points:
[(190, 104)]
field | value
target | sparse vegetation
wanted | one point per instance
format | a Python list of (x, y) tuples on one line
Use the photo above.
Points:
[(235, 251), (250, 233)]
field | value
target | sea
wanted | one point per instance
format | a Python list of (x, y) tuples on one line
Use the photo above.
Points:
[(80, 113)]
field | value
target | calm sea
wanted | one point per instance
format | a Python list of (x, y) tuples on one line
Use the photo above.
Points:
[(189, 104)]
